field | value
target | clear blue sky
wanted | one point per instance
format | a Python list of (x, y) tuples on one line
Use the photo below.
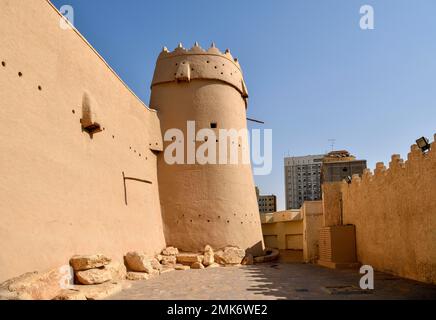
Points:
[(312, 73)]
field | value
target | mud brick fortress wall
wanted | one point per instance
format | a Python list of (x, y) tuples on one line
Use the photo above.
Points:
[(394, 211), (64, 191), (60, 190)]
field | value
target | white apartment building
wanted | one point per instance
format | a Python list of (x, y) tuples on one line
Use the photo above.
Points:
[(302, 179)]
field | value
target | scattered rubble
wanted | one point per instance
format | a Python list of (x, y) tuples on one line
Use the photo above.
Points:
[(197, 265), (134, 276), (208, 256), (230, 255), (170, 251), (139, 262), (93, 276), (86, 262), (181, 267), (98, 276)]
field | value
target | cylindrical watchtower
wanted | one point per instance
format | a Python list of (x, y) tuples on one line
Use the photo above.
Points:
[(203, 204)]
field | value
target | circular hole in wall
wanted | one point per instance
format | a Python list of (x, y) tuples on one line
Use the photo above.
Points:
[(190, 220), (219, 217), (140, 155), (3, 64), (20, 74), (192, 69), (177, 64), (207, 61), (222, 72), (208, 220), (40, 89), (228, 221), (113, 137), (73, 111), (216, 67)]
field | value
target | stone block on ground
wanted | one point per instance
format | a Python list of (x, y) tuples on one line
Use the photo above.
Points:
[(93, 276), (99, 291), (197, 265), (230, 255), (86, 262), (248, 260), (170, 251), (134, 276), (166, 269), (70, 294), (139, 262), (32, 286), (155, 264), (169, 260), (117, 269), (213, 265), (189, 258), (208, 256)]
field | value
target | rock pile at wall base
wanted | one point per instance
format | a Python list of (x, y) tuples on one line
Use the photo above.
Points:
[(98, 276)]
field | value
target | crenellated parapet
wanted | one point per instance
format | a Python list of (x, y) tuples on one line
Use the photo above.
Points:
[(396, 167), (184, 65)]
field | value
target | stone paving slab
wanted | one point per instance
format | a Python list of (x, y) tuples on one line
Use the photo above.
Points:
[(271, 281)]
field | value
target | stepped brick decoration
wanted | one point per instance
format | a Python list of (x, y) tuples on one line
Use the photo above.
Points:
[(393, 210)]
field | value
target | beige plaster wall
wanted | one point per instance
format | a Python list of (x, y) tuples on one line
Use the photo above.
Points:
[(312, 213), (283, 230), (394, 211), (61, 192), (331, 195)]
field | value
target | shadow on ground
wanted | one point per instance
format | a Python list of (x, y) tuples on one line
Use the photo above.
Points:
[(308, 281)]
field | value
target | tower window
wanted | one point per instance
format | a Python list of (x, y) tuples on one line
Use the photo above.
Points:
[(213, 125)]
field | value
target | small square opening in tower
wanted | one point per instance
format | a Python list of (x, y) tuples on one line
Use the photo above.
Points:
[(213, 125)]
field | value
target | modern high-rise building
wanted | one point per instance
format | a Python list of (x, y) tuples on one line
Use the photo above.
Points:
[(302, 179), (267, 203)]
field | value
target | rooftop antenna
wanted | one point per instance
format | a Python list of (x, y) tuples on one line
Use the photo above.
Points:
[(332, 143)]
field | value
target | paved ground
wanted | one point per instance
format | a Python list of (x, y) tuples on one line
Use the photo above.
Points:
[(273, 281)]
